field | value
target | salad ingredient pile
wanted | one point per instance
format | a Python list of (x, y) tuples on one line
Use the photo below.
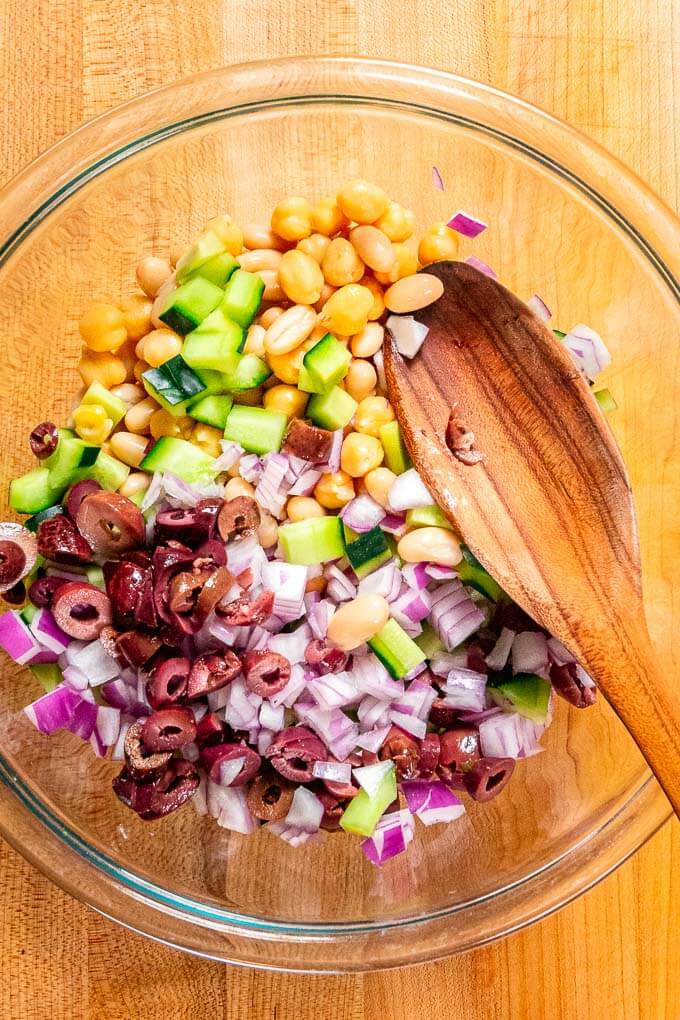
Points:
[(231, 578)]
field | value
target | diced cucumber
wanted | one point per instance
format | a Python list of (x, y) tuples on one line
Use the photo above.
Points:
[(363, 812), (249, 372), (366, 552), (174, 385), (113, 405), (214, 343), (187, 307), (33, 523), (207, 247), (427, 517), (307, 383), (526, 693), (327, 363), (395, 649), (33, 492), (181, 458), (605, 400), (256, 429), (314, 540), (429, 641), (108, 471), (48, 675), (95, 576), (212, 410), (70, 455), (137, 498), (332, 410), (471, 572), (396, 456), (218, 269), (28, 613), (242, 297)]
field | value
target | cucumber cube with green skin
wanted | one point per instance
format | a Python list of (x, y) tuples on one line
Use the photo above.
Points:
[(366, 552), (180, 458), (29, 612), (307, 383), (256, 429), (174, 385), (250, 372), (396, 456), (207, 247), (71, 454), (472, 573), (216, 343), (526, 693), (327, 363), (427, 517), (332, 410), (314, 540), (33, 492), (395, 649), (212, 410), (429, 641), (48, 674), (242, 297), (97, 394), (187, 307), (218, 270), (107, 470), (363, 813)]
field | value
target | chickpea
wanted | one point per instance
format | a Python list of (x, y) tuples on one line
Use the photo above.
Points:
[(360, 454), (334, 490), (292, 219), (369, 341), (300, 508), (251, 397), (341, 264), (406, 265), (164, 424), (208, 438), (378, 484), (136, 481), (361, 379), (140, 368), (398, 223), (327, 218), (269, 316), (136, 311), (102, 327), (288, 399), (152, 272), (255, 340), (238, 487), (268, 531), (287, 366), (159, 346), (257, 236), (128, 447), (346, 311), (438, 242), (105, 368), (315, 245), (358, 620), (127, 355), (326, 292), (92, 423), (138, 418), (362, 201), (371, 414), (300, 277), (229, 233), (129, 393)]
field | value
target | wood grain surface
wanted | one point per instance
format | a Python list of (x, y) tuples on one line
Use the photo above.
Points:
[(608, 66)]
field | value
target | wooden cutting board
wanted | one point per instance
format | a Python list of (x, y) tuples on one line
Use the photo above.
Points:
[(608, 66)]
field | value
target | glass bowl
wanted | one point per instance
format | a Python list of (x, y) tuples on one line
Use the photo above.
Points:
[(567, 222)]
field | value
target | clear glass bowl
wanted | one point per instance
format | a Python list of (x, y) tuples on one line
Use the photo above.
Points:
[(566, 221)]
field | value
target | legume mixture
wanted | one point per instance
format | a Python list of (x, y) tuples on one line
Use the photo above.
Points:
[(232, 581)]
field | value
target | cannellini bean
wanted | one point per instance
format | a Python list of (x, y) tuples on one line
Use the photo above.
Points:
[(369, 341), (430, 545), (358, 621), (413, 292), (259, 258), (373, 247)]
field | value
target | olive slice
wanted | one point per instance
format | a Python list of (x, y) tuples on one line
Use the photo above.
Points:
[(18, 551), (110, 523)]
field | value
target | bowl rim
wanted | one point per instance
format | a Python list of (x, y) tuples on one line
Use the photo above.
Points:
[(52, 177)]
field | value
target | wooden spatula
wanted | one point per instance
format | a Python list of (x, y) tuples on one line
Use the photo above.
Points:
[(548, 511)]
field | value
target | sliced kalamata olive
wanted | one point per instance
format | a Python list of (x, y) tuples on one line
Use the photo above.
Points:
[(214, 756), (168, 683), (325, 656), (568, 685), (183, 592), (266, 673), (245, 578), (448, 774), (130, 588), (110, 523), (476, 654), (168, 560), (77, 493), (294, 752), (308, 442), (59, 540), (141, 764), (16, 595), (244, 613), (215, 587), (181, 525), (270, 796), (18, 552), (168, 729), (137, 647), (487, 777), (81, 610), (510, 615), (403, 750), (333, 810), (211, 730), (42, 591), (430, 749), (442, 715), (44, 439), (206, 511), (108, 636), (459, 746), (211, 672), (239, 516), (212, 553), (155, 799)]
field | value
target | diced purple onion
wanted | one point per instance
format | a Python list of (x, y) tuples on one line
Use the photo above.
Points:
[(107, 725), (48, 633), (498, 656), (228, 806), (410, 723), (334, 771), (509, 735), (465, 690), (319, 617), (272, 717), (335, 690), (385, 581), (539, 308), (416, 575), (415, 605), (432, 801), (289, 694), (93, 660), (83, 719), (362, 514), (306, 483), (466, 224), (287, 581), (394, 524), (481, 266), (251, 467), (374, 739), (306, 811), (417, 700), (379, 363), (370, 777), (292, 835), (231, 454), (77, 680), (118, 749), (292, 646), (392, 835), (240, 552), (271, 491), (407, 492), (529, 652), (372, 712), (17, 639), (408, 334), (53, 711), (588, 350), (333, 465), (371, 677), (440, 573)]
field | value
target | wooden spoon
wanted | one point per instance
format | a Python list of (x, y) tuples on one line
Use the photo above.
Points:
[(548, 511)]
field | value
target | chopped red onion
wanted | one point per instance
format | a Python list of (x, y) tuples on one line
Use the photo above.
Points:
[(394, 524), (454, 615), (588, 350), (478, 717), (432, 801), (559, 653), (83, 719), (306, 811), (251, 467), (498, 656), (437, 179), (374, 739), (154, 493), (509, 735), (539, 308), (77, 681), (417, 700), (306, 483), (271, 491), (319, 616), (465, 690), (362, 514), (228, 770), (93, 660), (529, 652), (229, 807), (48, 633), (385, 581), (107, 724), (391, 836), (118, 749), (414, 605), (408, 492), (410, 723), (482, 267), (287, 581), (333, 464), (466, 224), (370, 777), (407, 333), (371, 677), (264, 739), (440, 573), (442, 663), (74, 574), (291, 834), (240, 554), (292, 646), (335, 690), (372, 712), (272, 717), (379, 363), (289, 694), (231, 454), (17, 640), (416, 575), (53, 711), (339, 587), (181, 494), (334, 771)]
